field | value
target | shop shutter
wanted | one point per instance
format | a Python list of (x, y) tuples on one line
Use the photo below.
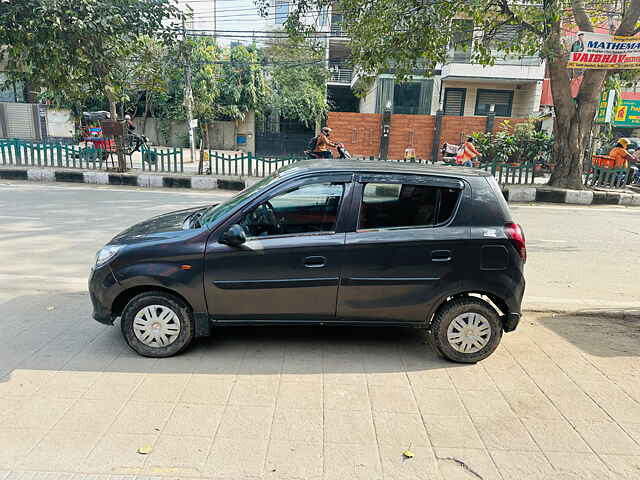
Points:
[(502, 99), (20, 121), (454, 101)]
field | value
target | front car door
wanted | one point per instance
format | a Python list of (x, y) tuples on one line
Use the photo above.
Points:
[(289, 268), (407, 248)]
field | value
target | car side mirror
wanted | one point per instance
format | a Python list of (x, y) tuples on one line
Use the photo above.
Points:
[(234, 237)]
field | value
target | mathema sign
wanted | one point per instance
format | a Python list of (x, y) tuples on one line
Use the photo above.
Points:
[(601, 51)]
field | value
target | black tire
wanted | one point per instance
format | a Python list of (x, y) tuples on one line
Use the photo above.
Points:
[(446, 315), (182, 311)]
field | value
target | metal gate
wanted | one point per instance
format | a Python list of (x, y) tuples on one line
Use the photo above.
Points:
[(26, 121), (282, 138)]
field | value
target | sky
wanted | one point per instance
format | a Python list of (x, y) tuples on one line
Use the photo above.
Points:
[(239, 15)]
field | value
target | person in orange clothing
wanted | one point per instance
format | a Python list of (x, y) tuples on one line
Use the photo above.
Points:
[(323, 144), (467, 153), (620, 155), (621, 158)]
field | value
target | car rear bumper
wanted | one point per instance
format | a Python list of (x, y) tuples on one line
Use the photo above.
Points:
[(103, 289), (510, 321)]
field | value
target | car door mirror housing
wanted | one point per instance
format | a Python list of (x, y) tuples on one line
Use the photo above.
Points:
[(234, 237)]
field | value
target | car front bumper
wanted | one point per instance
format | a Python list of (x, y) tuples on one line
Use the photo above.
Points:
[(103, 290)]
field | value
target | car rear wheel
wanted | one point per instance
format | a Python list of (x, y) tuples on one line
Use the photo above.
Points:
[(466, 330), (157, 324)]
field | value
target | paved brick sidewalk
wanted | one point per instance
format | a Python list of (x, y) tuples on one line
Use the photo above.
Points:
[(558, 400)]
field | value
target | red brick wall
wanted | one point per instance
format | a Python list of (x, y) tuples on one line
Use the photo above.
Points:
[(411, 131), (456, 129), (360, 132), (512, 122)]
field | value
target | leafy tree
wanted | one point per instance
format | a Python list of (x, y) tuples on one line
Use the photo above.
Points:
[(62, 45), (298, 79), (148, 70), (204, 56), (243, 87), (406, 35)]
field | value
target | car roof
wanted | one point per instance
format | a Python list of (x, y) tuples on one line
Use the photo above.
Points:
[(373, 166)]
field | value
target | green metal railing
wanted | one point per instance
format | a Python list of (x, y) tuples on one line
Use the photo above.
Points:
[(170, 160), (18, 152), (33, 154), (163, 160), (511, 174), (246, 164), (606, 177)]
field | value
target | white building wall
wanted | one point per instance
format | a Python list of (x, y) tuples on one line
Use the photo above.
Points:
[(526, 96), (60, 123), (368, 102), (505, 72)]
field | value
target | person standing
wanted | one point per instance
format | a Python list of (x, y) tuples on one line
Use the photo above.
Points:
[(578, 45)]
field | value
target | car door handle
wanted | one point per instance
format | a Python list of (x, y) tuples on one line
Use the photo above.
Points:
[(315, 262), (441, 255)]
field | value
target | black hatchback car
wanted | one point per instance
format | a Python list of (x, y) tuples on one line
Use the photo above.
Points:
[(324, 242)]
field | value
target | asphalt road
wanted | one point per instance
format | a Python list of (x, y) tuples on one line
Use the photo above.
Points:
[(579, 257), (559, 399)]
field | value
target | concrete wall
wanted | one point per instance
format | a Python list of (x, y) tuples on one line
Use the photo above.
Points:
[(222, 135), (526, 98), (60, 123), (368, 102), (522, 71)]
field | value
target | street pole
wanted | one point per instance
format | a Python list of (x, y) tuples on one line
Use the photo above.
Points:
[(188, 95)]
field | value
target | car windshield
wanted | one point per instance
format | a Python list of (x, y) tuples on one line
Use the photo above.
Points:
[(217, 212)]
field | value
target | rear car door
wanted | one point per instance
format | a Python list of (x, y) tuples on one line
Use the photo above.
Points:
[(289, 268), (406, 248)]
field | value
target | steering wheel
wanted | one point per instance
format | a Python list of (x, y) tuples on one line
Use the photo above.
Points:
[(272, 218), (262, 221)]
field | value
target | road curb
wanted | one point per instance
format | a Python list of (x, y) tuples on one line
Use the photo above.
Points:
[(150, 180), (516, 194), (614, 313), (513, 194)]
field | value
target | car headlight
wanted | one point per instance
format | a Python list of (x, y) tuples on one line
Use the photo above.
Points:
[(106, 253)]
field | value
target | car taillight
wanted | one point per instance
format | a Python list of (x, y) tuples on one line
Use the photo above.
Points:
[(514, 232)]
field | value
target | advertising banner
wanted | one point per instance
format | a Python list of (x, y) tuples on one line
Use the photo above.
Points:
[(600, 51), (626, 114)]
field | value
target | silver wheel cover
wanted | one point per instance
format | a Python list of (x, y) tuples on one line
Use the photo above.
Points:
[(469, 333), (156, 326)]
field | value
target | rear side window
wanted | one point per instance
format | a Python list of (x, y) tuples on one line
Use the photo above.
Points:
[(405, 205)]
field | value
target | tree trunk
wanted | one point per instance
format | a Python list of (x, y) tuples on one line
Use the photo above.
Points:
[(574, 117), (113, 108), (567, 156), (145, 115), (122, 161), (202, 150)]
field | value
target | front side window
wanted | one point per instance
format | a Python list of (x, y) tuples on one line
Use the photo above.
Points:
[(307, 209), (405, 205)]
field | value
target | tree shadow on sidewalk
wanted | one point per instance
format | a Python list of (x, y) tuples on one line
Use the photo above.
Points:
[(598, 336), (55, 332)]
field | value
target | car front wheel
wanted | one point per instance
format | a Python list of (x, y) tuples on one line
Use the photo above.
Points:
[(466, 330), (157, 324)]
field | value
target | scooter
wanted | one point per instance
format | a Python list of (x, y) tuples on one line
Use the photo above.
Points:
[(343, 153)]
